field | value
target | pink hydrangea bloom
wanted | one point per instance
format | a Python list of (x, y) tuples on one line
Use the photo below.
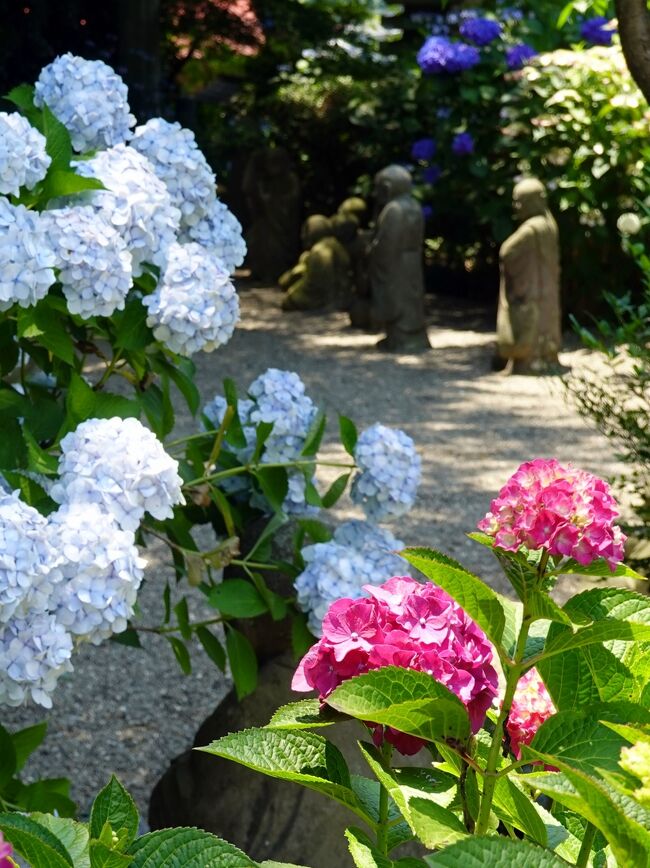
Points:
[(531, 706), (5, 852), (557, 507), (407, 624)]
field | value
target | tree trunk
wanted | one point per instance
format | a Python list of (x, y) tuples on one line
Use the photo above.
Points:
[(634, 29)]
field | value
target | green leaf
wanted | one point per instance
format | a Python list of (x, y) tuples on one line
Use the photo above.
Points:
[(57, 141), (363, 851), (349, 434), (26, 741), (421, 796), (74, 836), (335, 491), (128, 637), (182, 613), (158, 409), (62, 182), (237, 598), (411, 702), (181, 654), (131, 329), (315, 435), (181, 374), (243, 662), (600, 631), (302, 757), (274, 484), (13, 451), (101, 856), (114, 805), (212, 647), (44, 322), (478, 852), (39, 460), (304, 714), (22, 96), (83, 403), (8, 759), (479, 601), (315, 529), (108, 405), (186, 848), (38, 845), (600, 569), (301, 637), (515, 807)]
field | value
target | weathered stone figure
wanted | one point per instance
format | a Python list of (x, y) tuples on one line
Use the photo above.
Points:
[(322, 276), (395, 264), (272, 191), (529, 334)]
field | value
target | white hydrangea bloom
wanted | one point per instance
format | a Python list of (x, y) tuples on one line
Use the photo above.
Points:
[(358, 554), (136, 201), (95, 266), (121, 465), (390, 472), (89, 98), (102, 572), (221, 233), (195, 305), (35, 651), (23, 159), (177, 160), (26, 257), (28, 563)]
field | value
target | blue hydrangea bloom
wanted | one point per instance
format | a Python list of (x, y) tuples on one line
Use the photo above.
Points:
[(480, 31), (439, 54), (518, 55), (423, 149), (427, 211), (431, 174), (389, 472), (358, 554), (597, 30), (463, 144)]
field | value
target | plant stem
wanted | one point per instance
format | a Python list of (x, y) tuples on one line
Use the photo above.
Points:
[(251, 468), (382, 825), (162, 630), (468, 820), (585, 849)]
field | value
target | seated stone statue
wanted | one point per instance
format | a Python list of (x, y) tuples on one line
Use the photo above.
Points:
[(322, 276), (529, 334), (395, 264), (356, 207)]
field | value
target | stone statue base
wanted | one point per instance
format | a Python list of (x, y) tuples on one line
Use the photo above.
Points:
[(407, 344)]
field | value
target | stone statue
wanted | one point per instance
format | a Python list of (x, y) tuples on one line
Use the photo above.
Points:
[(395, 264), (356, 207), (272, 191), (322, 277), (529, 333)]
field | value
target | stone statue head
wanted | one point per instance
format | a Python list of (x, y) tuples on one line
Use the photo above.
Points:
[(529, 199), (344, 227), (354, 206), (314, 229), (391, 182)]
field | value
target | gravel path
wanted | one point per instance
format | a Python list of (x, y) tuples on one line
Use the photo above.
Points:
[(130, 712)]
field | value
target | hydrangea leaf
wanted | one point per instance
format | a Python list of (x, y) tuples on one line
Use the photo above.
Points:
[(335, 490), (25, 742), (515, 807), (601, 631), (349, 434), (243, 662), (114, 805), (315, 435), (479, 601), (600, 569), (301, 757), (186, 848), (411, 702), (57, 141), (495, 852), (365, 854), (102, 856), (304, 714), (38, 845), (8, 761), (74, 836), (237, 598)]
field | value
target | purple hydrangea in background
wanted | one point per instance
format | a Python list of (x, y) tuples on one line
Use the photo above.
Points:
[(519, 55), (597, 30), (431, 174), (439, 55), (423, 149), (480, 31), (462, 144), (427, 211)]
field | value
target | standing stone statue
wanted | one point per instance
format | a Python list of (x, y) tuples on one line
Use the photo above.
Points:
[(272, 191), (395, 264), (529, 334)]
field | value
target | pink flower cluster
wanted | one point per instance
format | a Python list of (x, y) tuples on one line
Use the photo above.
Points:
[(408, 624), (5, 852), (557, 507), (531, 706)]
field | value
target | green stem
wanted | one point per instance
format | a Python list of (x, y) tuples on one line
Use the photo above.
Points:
[(218, 440), (468, 820), (251, 468), (382, 825), (162, 630), (110, 368), (585, 849)]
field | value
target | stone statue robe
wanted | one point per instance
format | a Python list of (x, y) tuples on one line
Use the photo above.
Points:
[(321, 279)]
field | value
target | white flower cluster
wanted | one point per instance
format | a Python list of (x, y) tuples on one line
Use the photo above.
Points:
[(74, 576), (89, 98), (136, 201), (23, 159), (179, 163), (389, 472), (121, 465), (358, 554), (195, 306), (26, 257), (220, 232), (93, 261)]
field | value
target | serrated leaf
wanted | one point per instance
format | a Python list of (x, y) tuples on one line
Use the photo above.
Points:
[(302, 757), (73, 835), (363, 851), (114, 805), (274, 483), (38, 845), (301, 637), (182, 375), (128, 637), (212, 647), (237, 598), (335, 491), (186, 848), (600, 631), (304, 714), (181, 654), (57, 141), (314, 435), (409, 701), (478, 852), (132, 331), (63, 182), (474, 596), (45, 323), (515, 807), (243, 662), (26, 741), (22, 96), (101, 856), (599, 569), (349, 434)]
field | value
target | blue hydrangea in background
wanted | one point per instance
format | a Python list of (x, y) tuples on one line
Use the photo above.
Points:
[(427, 211), (597, 30), (480, 31), (439, 55), (423, 149), (431, 174), (462, 144), (518, 55), (389, 472)]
